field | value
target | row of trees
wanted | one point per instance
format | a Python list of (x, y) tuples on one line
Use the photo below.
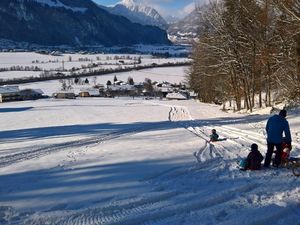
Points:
[(55, 75), (248, 48), (21, 68)]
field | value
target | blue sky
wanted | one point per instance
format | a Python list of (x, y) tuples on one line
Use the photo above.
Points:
[(178, 8)]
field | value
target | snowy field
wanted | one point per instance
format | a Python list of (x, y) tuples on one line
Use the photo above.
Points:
[(123, 161), (68, 61)]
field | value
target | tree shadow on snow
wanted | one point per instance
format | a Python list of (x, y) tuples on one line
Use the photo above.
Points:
[(8, 110), (128, 183), (118, 129), (81, 186)]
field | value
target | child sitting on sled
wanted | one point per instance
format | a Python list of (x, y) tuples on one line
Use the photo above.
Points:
[(253, 160), (285, 155), (214, 136)]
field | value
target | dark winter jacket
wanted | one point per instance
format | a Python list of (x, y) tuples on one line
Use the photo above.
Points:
[(276, 125), (214, 137), (254, 160)]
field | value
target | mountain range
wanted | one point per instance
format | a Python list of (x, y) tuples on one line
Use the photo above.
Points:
[(185, 30), (180, 31), (73, 23), (138, 13)]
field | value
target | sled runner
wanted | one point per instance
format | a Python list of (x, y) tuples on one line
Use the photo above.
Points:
[(294, 164)]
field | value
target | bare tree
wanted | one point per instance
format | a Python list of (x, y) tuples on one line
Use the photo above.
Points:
[(63, 84), (242, 51)]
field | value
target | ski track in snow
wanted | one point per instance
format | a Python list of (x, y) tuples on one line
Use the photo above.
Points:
[(168, 203), (40, 151)]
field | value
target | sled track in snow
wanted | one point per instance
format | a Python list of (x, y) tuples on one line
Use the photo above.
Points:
[(248, 136), (183, 116), (49, 149), (245, 137), (179, 114)]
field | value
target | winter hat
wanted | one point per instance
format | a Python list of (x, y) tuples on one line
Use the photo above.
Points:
[(282, 113), (254, 147)]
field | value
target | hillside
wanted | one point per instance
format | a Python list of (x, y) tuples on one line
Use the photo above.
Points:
[(73, 23), (124, 161)]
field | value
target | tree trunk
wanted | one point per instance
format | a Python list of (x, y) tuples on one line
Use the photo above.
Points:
[(298, 55)]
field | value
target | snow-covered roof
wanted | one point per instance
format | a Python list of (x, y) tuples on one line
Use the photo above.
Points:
[(91, 91), (165, 89), (193, 94), (9, 89), (121, 87), (64, 92), (178, 96), (119, 82), (38, 91)]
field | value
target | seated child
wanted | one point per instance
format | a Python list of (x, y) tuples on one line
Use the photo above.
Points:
[(286, 149), (285, 154), (214, 136), (253, 160)]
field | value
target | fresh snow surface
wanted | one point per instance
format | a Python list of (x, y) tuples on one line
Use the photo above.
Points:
[(124, 161), (128, 2)]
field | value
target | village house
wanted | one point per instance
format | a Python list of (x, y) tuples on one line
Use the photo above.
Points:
[(64, 95), (10, 93), (13, 93), (176, 96), (31, 94), (165, 88), (89, 92)]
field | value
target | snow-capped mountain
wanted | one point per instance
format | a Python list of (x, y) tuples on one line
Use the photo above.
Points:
[(71, 22), (185, 30), (138, 13)]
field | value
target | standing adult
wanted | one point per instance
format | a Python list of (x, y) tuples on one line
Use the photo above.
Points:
[(275, 127)]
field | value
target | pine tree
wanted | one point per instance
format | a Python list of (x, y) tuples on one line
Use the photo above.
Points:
[(108, 83)]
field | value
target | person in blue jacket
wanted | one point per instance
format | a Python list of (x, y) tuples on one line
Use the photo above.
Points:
[(275, 127)]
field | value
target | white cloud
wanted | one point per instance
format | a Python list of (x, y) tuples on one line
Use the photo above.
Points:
[(189, 8)]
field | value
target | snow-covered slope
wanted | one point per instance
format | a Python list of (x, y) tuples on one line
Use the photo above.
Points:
[(130, 161), (124, 161), (138, 13)]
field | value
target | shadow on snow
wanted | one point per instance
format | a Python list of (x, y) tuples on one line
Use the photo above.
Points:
[(8, 110), (118, 129)]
